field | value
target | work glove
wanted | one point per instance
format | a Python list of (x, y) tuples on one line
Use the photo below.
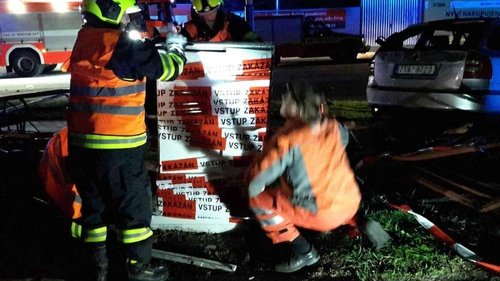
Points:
[(175, 42)]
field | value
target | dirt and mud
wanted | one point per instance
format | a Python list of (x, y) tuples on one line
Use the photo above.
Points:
[(35, 243)]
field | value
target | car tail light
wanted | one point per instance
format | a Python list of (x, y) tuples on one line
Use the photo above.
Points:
[(477, 66)]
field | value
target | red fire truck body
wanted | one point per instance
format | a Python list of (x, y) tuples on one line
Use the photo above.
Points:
[(37, 35)]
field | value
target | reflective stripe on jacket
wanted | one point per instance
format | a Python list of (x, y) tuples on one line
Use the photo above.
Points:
[(312, 164), (105, 112)]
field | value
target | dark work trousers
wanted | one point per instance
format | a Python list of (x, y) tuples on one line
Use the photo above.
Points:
[(150, 106), (115, 189)]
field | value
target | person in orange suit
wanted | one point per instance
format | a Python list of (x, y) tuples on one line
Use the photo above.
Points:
[(53, 170), (317, 189)]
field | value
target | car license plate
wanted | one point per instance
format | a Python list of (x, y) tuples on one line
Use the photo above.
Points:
[(415, 69)]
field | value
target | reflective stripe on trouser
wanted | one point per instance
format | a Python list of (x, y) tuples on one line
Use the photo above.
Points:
[(76, 230), (95, 235), (122, 176), (92, 235), (279, 217), (128, 236), (277, 227)]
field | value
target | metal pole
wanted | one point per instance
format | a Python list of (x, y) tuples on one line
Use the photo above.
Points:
[(201, 262), (249, 12), (277, 7)]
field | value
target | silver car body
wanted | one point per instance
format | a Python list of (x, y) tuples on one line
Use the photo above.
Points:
[(453, 65)]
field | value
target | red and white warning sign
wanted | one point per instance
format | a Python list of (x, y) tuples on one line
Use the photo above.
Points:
[(211, 122)]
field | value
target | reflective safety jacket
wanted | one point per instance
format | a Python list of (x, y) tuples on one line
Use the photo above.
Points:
[(107, 93), (227, 27), (55, 176), (313, 167)]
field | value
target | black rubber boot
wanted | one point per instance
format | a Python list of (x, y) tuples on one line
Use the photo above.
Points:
[(145, 272), (99, 260), (301, 254)]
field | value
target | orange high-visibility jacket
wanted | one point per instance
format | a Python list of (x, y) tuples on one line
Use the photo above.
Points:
[(100, 103), (313, 167), (54, 174), (106, 111)]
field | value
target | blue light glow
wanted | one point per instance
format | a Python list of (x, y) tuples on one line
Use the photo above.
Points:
[(492, 101), (475, 4)]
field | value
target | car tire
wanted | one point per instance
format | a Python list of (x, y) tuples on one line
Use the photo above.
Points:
[(26, 63)]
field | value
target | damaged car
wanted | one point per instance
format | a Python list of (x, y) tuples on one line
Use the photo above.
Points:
[(450, 65)]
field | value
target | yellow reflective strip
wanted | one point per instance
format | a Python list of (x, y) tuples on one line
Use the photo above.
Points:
[(180, 62), (113, 146), (107, 142), (168, 66), (76, 230), (178, 59), (98, 230), (96, 234), (136, 235), (95, 239)]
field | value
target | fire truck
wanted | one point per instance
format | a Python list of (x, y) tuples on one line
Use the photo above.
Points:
[(37, 35)]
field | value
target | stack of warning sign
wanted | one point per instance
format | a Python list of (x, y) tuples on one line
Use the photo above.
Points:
[(211, 122)]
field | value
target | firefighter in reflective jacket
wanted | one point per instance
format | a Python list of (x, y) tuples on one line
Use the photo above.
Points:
[(107, 132), (317, 191), (209, 23)]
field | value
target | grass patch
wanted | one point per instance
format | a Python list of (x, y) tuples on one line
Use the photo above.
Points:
[(351, 109), (413, 254)]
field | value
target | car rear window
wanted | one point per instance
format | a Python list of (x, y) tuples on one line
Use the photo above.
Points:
[(445, 37)]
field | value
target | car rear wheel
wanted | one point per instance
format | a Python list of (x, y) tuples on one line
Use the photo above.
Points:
[(26, 63)]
